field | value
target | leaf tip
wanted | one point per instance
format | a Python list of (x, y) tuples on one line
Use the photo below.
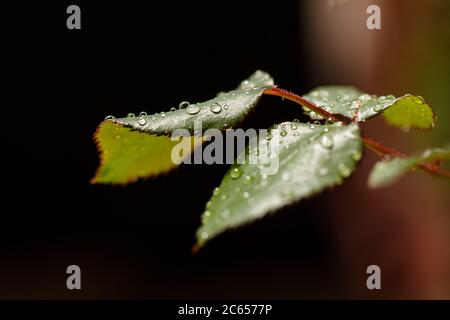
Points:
[(196, 247)]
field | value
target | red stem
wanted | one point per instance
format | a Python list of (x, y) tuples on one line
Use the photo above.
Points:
[(382, 150), (307, 104), (371, 144)]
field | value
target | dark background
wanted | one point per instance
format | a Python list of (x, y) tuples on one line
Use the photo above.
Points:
[(135, 241)]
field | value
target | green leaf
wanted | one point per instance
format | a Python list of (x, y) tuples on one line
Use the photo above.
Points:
[(144, 149), (388, 171), (311, 158), (334, 99), (222, 112), (410, 112), (126, 155), (407, 111)]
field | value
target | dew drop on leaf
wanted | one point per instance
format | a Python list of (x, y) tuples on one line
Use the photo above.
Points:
[(130, 115), (110, 117), (142, 114), (215, 107), (326, 142), (235, 173), (183, 104), (204, 235), (192, 109), (142, 121), (344, 170), (323, 171)]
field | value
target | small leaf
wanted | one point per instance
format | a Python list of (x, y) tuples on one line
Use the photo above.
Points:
[(223, 112), (144, 149), (127, 155), (311, 158), (410, 112), (407, 111), (388, 171)]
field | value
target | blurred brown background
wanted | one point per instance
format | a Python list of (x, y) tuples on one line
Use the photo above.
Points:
[(404, 228)]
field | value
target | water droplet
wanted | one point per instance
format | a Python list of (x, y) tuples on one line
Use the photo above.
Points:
[(130, 115), (247, 92), (326, 142), (246, 195), (215, 107), (356, 155), (268, 136), (323, 171), (225, 107), (378, 108), (247, 179), (192, 109), (264, 176), (208, 204), (142, 121), (312, 127), (344, 170), (235, 173), (163, 114), (183, 104), (142, 114), (205, 216), (110, 117), (173, 109), (204, 235), (365, 97), (216, 191), (283, 133), (294, 126)]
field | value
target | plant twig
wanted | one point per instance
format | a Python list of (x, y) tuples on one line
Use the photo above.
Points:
[(382, 150), (307, 104)]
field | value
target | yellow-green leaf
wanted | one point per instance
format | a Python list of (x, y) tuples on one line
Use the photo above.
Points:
[(126, 154), (410, 112)]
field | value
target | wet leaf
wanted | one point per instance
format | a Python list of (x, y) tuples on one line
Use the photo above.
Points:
[(126, 155), (407, 111), (126, 162), (387, 172), (311, 158)]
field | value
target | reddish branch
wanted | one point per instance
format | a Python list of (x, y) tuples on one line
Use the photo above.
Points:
[(382, 150), (307, 104), (377, 147)]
